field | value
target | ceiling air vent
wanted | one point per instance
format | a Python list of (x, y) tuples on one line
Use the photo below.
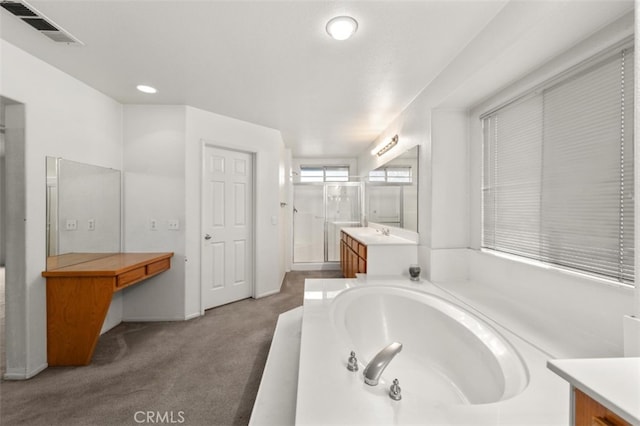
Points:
[(29, 15)]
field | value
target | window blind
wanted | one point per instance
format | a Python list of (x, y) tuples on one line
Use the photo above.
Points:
[(324, 174), (336, 174), (393, 174), (558, 172), (312, 174)]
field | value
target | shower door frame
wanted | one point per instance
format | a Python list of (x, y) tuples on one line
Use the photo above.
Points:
[(358, 223)]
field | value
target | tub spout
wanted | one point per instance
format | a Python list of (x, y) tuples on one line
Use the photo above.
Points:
[(374, 369)]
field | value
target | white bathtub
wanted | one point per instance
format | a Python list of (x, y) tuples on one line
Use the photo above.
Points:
[(456, 367), (449, 353)]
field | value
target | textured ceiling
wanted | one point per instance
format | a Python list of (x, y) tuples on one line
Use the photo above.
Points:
[(266, 62)]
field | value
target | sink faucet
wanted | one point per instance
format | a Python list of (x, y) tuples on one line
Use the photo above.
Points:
[(374, 369), (385, 231)]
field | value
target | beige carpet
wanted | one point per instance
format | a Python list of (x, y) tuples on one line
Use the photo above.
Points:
[(200, 372)]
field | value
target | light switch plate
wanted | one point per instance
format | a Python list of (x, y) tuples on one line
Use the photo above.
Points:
[(173, 224)]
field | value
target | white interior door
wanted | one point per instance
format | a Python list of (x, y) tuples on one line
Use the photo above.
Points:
[(227, 228)]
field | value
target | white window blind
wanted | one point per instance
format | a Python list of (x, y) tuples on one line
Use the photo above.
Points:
[(312, 174), (324, 174), (336, 174), (393, 174), (558, 172), (399, 174)]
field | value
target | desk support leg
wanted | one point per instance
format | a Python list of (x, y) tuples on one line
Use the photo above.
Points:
[(76, 310)]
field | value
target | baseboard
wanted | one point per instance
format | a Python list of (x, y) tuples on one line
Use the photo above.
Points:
[(106, 327), (269, 293), (21, 374), (329, 266), (152, 319), (192, 316)]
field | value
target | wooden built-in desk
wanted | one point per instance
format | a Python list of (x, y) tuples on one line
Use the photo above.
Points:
[(79, 291)]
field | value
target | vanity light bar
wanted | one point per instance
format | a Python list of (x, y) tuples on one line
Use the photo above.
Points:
[(387, 147)]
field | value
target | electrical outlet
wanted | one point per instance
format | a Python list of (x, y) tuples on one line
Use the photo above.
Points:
[(173, 224), (153, 224), (71, 225), (91, 224)]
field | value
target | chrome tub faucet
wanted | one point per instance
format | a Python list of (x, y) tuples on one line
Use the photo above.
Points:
[(376, 366)]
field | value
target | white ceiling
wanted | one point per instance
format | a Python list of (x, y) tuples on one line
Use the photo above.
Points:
[(267, 62)]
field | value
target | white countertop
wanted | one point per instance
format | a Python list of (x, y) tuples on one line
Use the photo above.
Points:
[(613, 382), (371, 237)]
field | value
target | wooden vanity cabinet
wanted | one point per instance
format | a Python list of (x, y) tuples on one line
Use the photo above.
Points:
[(80, 287), (588, 412), (353, 256)]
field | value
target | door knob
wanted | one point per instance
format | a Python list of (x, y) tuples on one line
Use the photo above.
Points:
[(207, 237)]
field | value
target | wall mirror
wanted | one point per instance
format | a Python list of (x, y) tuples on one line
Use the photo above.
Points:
[(391, 192), (83, 210)]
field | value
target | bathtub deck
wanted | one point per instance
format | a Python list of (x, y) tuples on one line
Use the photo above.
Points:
[(290, 396), (276, 400), (329, 394)]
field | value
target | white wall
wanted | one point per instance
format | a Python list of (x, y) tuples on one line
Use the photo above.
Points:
[(163, 161), (154, 188), (286, 211), (449, 195), (64, 118), (270, 232), (3, 204), (15, 290)]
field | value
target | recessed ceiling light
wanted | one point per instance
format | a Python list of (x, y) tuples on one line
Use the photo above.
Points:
[(342, 27), (146, 89)]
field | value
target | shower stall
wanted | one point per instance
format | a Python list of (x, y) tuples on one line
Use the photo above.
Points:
[(320, 210)]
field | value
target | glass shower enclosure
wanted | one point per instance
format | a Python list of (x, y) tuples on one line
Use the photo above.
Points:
[(320, 211)]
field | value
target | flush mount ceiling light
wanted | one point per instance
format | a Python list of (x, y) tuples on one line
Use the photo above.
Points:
[(342, 27), (146, 89)]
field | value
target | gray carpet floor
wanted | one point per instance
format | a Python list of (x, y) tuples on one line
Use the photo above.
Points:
[(200, 372)]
